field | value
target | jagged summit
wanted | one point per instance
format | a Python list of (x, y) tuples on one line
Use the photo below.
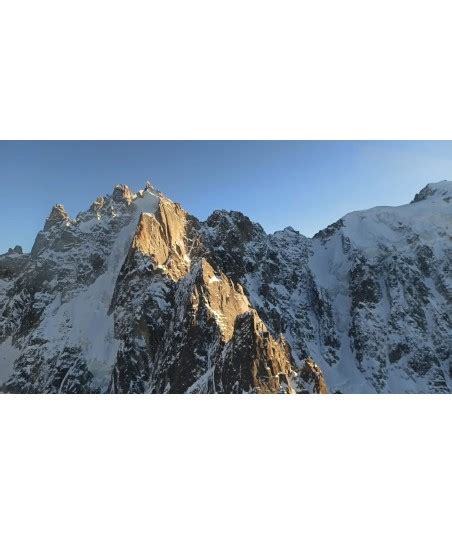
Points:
[(288, 232), (57, 215), (148, 186), (123, 193), (15, 250)]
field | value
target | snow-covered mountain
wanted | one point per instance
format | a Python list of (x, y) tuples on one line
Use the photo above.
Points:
[(135, 295)]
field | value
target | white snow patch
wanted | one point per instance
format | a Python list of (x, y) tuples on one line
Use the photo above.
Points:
[(8, 354)]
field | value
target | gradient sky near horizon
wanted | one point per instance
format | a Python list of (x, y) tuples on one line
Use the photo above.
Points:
[(304, 184)]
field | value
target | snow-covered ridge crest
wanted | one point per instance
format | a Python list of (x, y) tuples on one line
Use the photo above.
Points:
[(429, 215), (441, 190)]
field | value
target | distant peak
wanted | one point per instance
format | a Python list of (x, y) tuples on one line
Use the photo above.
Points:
[(17, 250), (290, 230), (435, 189), (234, 219), (148, 186), (98, 204), (289, 233)]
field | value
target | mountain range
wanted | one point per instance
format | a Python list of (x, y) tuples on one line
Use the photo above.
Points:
[(135, 295)]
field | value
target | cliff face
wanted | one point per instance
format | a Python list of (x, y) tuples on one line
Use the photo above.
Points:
[(136, 295), (217, 343)]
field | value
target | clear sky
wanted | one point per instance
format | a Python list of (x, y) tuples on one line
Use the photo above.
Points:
[(306, 185)]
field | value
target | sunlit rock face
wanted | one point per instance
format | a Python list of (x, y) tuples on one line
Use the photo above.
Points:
[(135, 295), (123, 193), (218, 343)]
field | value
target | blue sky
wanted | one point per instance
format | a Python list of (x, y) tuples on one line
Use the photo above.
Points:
[(307, 185)]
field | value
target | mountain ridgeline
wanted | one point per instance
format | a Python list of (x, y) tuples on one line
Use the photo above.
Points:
[(135, 295)]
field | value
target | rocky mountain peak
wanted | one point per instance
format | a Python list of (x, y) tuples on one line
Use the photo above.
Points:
[(57, 215), (290, 230), (324, 234), (123, 193), (224, 299), (442, 190), (162, 237), (98, 204), (148, 186), (16, 250), (234, 223)]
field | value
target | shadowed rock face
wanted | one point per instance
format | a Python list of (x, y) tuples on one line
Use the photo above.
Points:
[(254, 362), (137, 296)]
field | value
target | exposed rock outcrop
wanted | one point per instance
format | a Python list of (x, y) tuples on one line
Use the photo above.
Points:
[(57, 216), (123, 193), (16, 250), (162, 236), (206, 305), (312, 375), (254, 362)]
